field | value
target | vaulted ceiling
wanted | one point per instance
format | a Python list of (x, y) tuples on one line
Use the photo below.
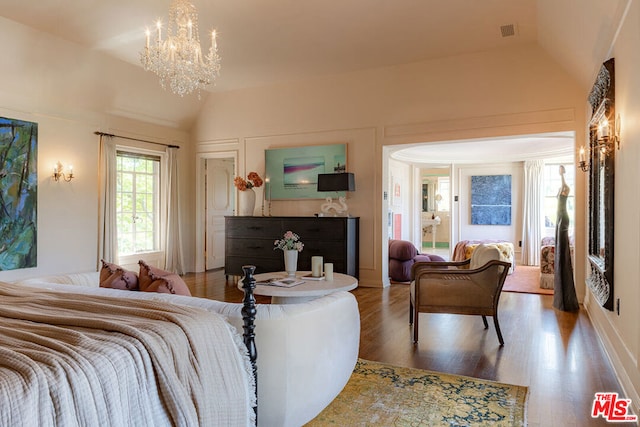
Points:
[(272, 41), (265, 42)]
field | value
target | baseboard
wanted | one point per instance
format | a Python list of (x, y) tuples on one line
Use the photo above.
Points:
[(439, 245), (611, 341)]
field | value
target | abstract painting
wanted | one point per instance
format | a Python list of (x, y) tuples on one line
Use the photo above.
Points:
[(18, 193), (491, 199), (292, 173), (302, 170)]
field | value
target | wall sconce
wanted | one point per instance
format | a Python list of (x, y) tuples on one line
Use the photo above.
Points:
[(58, 174), (605, 142)]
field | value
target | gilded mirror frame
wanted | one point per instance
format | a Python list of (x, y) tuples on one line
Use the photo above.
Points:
[(601, 187)]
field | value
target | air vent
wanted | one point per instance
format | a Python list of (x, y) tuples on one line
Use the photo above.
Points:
[(508, 30)]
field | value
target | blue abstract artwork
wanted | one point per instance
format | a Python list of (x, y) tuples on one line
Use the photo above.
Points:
[(18, 193), (491, 199)]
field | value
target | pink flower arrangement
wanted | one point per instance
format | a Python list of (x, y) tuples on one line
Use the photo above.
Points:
[(290, 241), (253, 180)]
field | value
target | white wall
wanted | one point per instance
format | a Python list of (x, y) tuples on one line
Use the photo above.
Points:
[(71, 92), (401, 200), (621, 333), (496, 93), (67, 213), (462, 208)]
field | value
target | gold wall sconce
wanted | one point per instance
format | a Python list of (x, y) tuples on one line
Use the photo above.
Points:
[(59, 174), (604, 142)]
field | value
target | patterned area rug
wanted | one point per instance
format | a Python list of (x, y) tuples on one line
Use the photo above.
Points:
[(386, 395)]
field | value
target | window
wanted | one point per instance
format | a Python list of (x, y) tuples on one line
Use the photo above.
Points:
[(137, 202), (435, 193), (552, 184), (443, 194)]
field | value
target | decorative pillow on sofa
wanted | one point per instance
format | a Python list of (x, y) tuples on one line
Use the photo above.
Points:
[(153, 279), (482, 254), (116, 277)]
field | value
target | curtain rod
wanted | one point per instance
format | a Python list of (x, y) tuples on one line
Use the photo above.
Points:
[(135, 139)]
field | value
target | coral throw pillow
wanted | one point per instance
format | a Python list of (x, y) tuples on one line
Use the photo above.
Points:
[(153, 279), (116, 277)]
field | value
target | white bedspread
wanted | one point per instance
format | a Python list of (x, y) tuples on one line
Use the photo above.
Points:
[(73, 359)]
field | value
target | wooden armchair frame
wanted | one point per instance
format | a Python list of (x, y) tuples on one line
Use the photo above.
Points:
[(451, 287)]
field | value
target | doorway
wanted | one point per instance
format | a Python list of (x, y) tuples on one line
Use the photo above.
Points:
[(435, 212), (216, 198), (219, 202), (411, 162)]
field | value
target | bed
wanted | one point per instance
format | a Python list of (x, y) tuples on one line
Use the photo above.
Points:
[(77, 358)]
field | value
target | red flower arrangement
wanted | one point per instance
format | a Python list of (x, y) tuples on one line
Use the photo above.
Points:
[(253, 180)]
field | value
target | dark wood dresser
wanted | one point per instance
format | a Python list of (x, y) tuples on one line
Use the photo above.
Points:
[(249, 240)]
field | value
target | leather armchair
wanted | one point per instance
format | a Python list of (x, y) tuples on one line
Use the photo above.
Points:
[(471, 287)]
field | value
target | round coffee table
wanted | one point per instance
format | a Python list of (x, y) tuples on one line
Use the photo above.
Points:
[(307, 291)]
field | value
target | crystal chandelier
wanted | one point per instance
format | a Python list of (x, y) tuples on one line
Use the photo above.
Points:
[(178, 60)]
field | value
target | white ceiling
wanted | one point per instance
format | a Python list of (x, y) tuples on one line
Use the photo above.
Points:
[(263, 42), (553, 146)]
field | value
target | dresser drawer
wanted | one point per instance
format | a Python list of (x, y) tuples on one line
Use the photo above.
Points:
[(323, 229), (249, 241), (262, 248), (324, 248), (233, 265), (253, 227)]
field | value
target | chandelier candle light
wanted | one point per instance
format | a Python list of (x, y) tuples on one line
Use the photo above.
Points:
[(178, 59)]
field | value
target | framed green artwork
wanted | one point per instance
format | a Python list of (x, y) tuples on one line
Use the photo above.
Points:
[(18, 193), (292, 173)]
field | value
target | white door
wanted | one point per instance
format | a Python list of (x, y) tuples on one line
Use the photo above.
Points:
[(220, 202)]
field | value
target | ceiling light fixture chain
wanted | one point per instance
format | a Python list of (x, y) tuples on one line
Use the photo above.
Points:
[(178, 59)]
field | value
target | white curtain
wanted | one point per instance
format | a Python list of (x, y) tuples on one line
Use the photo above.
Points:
[(173, 242), (533, 215), (108, 238)]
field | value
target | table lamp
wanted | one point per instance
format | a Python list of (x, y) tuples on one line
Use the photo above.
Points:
[(344, 181)]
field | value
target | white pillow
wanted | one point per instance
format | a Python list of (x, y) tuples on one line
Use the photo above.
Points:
[(482, 254)]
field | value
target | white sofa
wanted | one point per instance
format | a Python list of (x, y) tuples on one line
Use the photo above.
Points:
[(306, 351)]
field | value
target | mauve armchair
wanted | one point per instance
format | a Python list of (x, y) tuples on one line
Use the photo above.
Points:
[(402, 255)]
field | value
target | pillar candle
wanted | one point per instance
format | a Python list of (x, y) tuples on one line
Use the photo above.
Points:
[(328, 271), (316, 266)]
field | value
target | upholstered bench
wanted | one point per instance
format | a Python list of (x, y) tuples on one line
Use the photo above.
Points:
[(547, 262)]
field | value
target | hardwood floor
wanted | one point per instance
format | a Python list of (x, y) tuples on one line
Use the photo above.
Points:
[(556, 354)]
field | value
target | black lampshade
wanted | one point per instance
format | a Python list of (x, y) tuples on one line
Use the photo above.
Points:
[(336, 182)]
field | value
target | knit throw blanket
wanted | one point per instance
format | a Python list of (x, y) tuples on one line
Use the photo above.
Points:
[(75, 359)]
